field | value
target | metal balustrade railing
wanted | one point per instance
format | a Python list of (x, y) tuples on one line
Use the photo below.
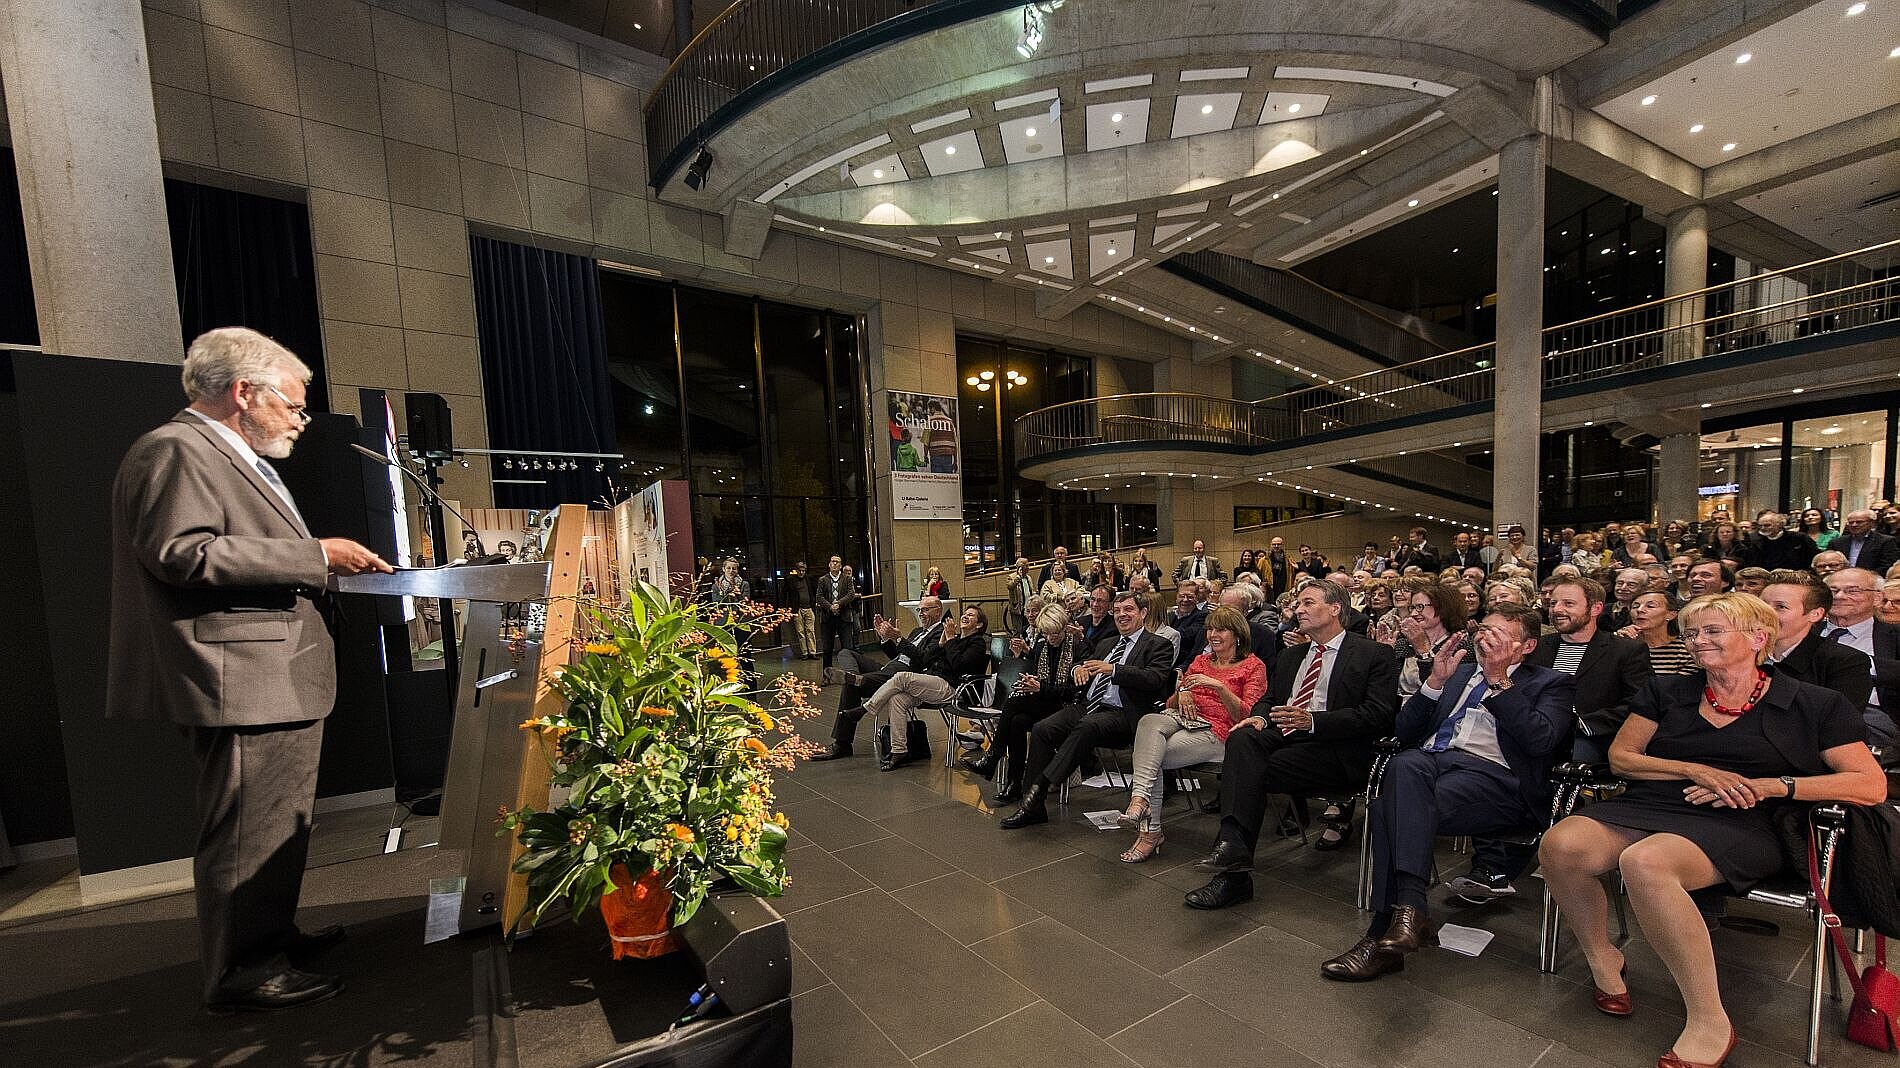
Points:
[(1827, 296)]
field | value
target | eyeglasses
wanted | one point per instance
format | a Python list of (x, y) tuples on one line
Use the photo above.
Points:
[(1853, 591), (1714, 634), (301, 411), (1423, 606)]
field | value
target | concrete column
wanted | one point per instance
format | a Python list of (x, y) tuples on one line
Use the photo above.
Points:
[(1685, 270), (79, 100), (1518, 416), (1677, 477)]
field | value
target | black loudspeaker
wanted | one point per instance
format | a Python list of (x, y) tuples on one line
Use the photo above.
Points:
[(429, 434), (742, 944)]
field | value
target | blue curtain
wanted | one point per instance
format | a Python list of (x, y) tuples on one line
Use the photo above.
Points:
[(544, 369)]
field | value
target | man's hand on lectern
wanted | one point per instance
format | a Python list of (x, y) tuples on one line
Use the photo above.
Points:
[(350, 558)]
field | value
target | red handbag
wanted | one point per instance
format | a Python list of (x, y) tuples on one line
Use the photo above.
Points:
[(1873, 1020)]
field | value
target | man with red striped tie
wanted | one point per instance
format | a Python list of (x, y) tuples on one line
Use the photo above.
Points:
[(1329, 698)]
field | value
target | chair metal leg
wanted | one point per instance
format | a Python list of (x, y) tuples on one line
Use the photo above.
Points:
[(1549, 933), (1622, 909), (1823, 966), (1365, 861)]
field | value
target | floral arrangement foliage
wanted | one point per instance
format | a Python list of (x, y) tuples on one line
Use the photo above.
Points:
[(666, 751)]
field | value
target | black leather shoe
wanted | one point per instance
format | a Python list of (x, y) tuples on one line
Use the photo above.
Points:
[(1340, 833), (307, 944), (836, 752), (1410, 930), (1365, 961), (1007, 795), (1227, 856), (285, 990), (1032, 812), (983, 764), (895, 761), (1222, 891)]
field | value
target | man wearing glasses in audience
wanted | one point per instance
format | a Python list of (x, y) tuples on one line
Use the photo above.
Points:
[(1851, 622)]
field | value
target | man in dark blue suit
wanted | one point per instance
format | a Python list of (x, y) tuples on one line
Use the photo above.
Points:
[(1485, 735)]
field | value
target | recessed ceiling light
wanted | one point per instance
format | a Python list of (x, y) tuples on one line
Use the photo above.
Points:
[(1293, 109), (1029, 131), (637, 26), (1048, 259), (1362, 151), (1895, 54), (1743, 58), (1117, 117), (1798, 389), (1411, 203), (1729, 147), (949, 150), (1650, 99), (877, 174), (1697, 128), (1855, 9), (1454, 250), (1207, 109), (1707, 404), (1111, 250)]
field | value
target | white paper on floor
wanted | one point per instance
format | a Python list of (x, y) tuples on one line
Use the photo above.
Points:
[(1107, 780), (1469, 941), (1106, 820)]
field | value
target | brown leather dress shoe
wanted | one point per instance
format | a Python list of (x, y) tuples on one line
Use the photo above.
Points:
[(1365, 961), (1409, 930)]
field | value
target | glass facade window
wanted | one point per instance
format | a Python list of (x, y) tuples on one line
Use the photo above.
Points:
[(760, 406), (1005, 516), (1813, 457), (1838, 463)]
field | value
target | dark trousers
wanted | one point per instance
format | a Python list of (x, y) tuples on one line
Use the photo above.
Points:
[(1019, 714), (1058, 744), (834, 632), (1511, 858), (1423, 796), (851, 697), (1261, 763), (256, 789)]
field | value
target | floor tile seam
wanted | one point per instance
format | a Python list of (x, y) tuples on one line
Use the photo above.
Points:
[(1540, 1057), (1110, 1038), (1020, 1008), (871, 1019), (1038, 867), (1040, 915), (1135, 966), (1257, 928), (813, 961), (893, 890), (826, 985)]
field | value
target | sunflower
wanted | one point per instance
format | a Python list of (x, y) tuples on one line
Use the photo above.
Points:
[(680, 833)]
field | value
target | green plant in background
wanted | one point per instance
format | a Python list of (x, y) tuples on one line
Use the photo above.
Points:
[(666, 751)]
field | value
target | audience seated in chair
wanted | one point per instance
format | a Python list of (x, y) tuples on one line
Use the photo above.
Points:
[(1702, 754), (1329, 698), (1220, 686), (1125, 679), (933, 682), (915, 652), (1485, 734), (1045, 685)]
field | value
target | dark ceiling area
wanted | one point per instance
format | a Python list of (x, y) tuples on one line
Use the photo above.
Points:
[(643, 24), (1446, 256)]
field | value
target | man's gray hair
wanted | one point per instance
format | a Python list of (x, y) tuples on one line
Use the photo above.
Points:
[(1250, 595), (221, 358)]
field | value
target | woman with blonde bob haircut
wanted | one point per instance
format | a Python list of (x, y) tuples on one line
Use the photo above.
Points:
[(1708, 757)]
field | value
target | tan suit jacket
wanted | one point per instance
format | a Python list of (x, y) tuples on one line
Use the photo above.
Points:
[(214, 619)]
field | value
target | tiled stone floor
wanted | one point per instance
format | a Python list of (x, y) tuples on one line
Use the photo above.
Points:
[(925, 935)]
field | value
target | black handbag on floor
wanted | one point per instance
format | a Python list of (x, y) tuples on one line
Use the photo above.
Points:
[(916, 739)]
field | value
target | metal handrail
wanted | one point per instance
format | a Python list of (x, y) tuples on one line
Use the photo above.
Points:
[(1827, 295)]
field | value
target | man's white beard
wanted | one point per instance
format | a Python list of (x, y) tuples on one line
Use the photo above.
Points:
[(257, 438)]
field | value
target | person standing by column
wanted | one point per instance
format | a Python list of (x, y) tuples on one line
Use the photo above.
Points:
[(837, 597), (795, 597), (218, 625)]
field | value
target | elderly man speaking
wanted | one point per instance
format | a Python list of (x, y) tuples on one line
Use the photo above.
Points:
[(216, 627)]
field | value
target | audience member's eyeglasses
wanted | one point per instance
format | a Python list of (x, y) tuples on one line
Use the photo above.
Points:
[(1714, 634), (1420, 606), (1853, 591), (301, 411)]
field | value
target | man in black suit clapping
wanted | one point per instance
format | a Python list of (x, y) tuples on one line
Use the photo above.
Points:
[(1328, 700)]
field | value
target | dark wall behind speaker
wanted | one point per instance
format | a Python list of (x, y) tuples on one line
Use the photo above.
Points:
[(130, 781)]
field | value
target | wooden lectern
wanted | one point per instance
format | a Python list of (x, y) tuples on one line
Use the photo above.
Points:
[(493, 764)]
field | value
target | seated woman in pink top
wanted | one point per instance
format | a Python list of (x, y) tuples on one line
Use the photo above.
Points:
[(1218, 688)]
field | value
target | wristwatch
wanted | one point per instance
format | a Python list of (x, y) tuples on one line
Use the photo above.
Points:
[(1500, 685), (1788, 781)]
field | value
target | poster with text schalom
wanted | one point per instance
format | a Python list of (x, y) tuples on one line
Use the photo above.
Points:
[(926, 457)]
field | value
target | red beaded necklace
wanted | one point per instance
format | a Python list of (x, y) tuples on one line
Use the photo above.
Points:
[(1761, 687)]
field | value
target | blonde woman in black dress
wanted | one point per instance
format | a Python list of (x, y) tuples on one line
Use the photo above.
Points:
[(1707, 756)]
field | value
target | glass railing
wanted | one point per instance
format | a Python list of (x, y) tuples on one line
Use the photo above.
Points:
[(1826, 297)]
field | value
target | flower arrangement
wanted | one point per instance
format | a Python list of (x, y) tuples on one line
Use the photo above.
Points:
[(666, 751)]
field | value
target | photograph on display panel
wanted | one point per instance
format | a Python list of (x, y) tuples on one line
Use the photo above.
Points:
[(926, 456)]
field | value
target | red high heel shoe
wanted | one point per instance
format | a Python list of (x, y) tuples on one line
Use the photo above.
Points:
[(1615, 1004), (1669, 1059)]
